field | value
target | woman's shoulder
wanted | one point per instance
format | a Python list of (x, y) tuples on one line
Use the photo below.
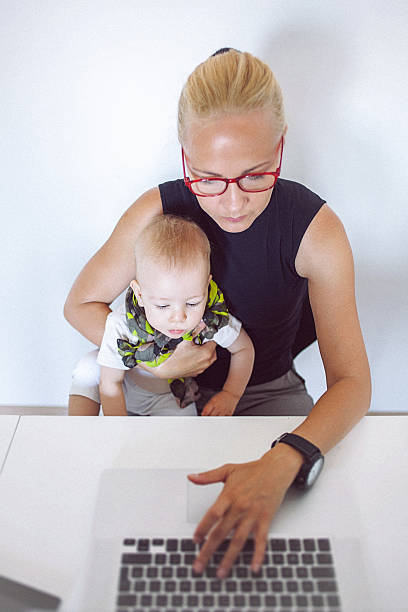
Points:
[(176, 198), (296, 193)]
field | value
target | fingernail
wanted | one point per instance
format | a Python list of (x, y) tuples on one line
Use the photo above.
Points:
[(221, 573), (198, 567), (256, 568)]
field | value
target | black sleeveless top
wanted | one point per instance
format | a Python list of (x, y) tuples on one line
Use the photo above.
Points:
[(256, 271)]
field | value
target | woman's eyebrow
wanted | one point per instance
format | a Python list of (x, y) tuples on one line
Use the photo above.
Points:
[(214, 174)]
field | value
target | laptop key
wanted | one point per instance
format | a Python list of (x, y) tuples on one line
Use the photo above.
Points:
[(323, 544), (322, 572), (286, 601), (324, 559), (200, 586), (155, 586), (239, 600), (170, 586), (129, 542), (307, 586), (309, 545), (171, 545), (215, 586), (307, 559), (292, 586), (187, 545), (295, 545), (185, 586), (136, 558), (277, 544), (261, 586), (139, 586), (143, 545), (333, 600), (146, 600), (126, 600), (327, 586), (124, 585), (230, 586), (301, 601), (317, 600)]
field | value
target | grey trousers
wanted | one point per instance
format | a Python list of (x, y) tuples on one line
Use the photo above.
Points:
[(284, 396)]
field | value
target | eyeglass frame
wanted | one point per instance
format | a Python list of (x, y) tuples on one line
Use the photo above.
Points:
[(188, 182)]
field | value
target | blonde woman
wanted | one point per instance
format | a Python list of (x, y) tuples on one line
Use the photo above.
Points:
[(281, 256)]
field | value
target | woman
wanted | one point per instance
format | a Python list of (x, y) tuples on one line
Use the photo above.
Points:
[(275, 246)]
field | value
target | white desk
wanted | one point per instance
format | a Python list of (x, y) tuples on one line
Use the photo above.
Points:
[(8, 426), (49, 483)]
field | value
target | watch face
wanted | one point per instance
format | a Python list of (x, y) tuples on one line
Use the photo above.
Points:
[(314, 472)]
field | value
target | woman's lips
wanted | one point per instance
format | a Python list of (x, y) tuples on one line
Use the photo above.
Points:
[(234, 219)]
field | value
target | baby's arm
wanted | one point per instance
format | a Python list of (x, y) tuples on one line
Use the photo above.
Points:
[(242, 361), (111, 392)]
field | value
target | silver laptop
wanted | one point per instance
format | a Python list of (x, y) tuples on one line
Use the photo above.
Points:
[(141, 553)]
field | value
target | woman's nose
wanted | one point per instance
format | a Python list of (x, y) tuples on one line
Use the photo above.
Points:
[(235, 197)]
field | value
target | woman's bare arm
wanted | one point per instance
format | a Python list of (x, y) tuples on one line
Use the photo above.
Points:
[(110, 270), (253, 491)]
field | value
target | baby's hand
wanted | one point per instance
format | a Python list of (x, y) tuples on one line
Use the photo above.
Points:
[(221, 404)]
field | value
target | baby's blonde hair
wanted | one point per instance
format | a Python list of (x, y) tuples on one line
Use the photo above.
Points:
[(173, 242), (229, 82)]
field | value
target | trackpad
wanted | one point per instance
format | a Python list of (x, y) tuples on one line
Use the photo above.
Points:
[(200, 498)]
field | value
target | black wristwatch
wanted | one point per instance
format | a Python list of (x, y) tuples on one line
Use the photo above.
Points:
[(313, 459)]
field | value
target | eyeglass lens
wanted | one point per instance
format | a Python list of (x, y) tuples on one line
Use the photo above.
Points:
[(257, 182)]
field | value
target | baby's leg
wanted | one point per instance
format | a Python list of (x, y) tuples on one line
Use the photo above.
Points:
[(84, 392)]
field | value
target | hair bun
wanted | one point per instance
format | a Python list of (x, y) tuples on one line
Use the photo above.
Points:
[(224, 50)]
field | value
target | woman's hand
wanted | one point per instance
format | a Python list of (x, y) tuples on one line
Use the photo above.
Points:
[(251, 496), (221, 404), (188, 359)]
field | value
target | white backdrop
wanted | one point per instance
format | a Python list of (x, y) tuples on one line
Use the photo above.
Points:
[(88, 103)]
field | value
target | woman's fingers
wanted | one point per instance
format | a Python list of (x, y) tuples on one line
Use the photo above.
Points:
[(251, 495)]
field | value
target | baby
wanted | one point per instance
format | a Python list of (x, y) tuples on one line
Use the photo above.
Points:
[(172, 299)]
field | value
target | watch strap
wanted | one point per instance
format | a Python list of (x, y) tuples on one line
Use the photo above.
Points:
[(308, 450)]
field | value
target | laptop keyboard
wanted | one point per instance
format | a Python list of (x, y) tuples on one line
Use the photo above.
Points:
[(297, 575)]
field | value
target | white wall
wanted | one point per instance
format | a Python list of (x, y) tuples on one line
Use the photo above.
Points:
[(88, 121)]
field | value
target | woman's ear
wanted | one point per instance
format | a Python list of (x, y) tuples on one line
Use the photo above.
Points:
[(137, 291)]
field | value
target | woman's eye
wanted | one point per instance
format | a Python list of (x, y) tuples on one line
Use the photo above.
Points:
[(254, 177)]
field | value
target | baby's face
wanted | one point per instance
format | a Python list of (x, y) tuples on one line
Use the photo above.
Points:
[(174, 300)]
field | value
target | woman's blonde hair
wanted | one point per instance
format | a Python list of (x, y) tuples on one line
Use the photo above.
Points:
[(229, 82)]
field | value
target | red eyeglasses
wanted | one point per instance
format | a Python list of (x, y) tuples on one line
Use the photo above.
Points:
[(254, 182)]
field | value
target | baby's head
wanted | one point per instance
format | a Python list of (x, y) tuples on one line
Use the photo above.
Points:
[(172, 274)]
